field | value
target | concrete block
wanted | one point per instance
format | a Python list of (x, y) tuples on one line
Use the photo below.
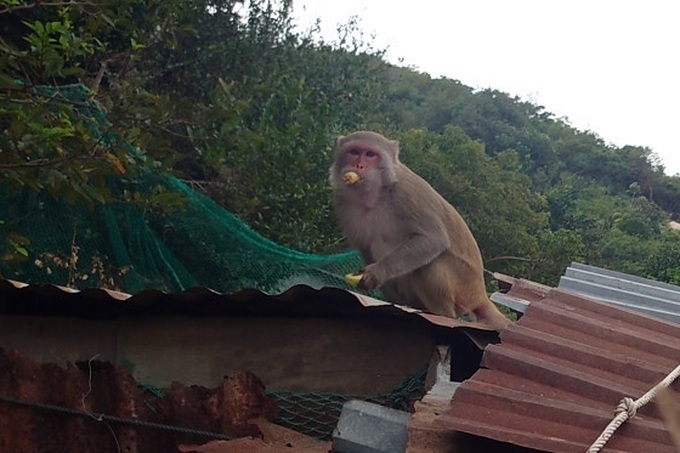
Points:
[(366, 427)]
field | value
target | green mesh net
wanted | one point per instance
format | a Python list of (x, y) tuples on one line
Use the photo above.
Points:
[(120, 246), (316, 413), (124, 246)]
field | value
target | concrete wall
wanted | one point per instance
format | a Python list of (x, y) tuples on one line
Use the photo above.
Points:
[(348, 355)]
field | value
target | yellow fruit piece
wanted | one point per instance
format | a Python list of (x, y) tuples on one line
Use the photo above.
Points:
[(351, 177), (353, 279)]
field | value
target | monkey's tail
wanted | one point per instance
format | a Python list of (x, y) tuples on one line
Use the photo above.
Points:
[(490, 315)]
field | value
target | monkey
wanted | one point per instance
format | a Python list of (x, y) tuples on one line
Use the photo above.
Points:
[(416, 247)]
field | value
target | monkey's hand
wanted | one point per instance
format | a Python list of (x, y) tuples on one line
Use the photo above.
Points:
[(353, 279), (371, 277)]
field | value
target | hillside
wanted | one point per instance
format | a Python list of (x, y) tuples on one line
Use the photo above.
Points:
[(242, 108)]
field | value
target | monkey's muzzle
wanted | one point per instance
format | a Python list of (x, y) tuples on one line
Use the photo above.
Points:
[(351, 177)]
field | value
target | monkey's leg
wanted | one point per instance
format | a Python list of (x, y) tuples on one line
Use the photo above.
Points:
[(398, 292), (452, 287)]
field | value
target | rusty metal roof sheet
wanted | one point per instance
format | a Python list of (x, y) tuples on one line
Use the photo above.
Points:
[(551, 385), (300, 300), (554, 381)]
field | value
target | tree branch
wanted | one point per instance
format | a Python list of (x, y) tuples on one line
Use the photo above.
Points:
[(11, 9)]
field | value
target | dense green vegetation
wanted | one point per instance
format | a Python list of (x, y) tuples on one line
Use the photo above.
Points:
[(243, 107)]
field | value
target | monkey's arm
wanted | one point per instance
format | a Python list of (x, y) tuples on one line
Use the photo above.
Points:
[(428, 240)]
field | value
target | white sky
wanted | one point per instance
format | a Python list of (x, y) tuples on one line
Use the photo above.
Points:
[(607, 66)]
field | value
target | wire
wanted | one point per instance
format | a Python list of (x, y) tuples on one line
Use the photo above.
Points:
[(113, 419)]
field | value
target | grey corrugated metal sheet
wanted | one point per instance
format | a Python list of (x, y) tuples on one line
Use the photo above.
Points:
[(559, 372), (647, 296)]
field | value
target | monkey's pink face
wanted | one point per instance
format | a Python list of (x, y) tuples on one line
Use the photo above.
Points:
[(362, 159)]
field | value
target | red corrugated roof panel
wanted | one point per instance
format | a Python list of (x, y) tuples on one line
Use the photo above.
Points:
[(554, 381)]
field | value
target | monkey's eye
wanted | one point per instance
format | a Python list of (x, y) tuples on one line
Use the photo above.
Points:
[(371, 153), (354, 152)]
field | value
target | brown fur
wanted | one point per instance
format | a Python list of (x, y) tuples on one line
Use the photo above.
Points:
[(416, 247)]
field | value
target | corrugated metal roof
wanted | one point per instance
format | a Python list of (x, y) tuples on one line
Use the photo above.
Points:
[(647, 296), (554, 381), (40, 300), (552, 384), (20, 298)]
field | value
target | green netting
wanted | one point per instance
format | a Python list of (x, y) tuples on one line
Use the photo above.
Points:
[(316, 413), (119, 245), (126, 247)]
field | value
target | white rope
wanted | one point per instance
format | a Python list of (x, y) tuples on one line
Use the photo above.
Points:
[(628, 407)]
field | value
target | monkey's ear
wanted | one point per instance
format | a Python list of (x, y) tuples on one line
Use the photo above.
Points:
[(394, 144), (339, 139)]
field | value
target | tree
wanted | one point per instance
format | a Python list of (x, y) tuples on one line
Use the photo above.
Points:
[(491, 194), (663, 263), (52, 73), (182, 92)]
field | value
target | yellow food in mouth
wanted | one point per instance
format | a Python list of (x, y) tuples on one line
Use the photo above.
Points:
[(351, 177), (353, 279)]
